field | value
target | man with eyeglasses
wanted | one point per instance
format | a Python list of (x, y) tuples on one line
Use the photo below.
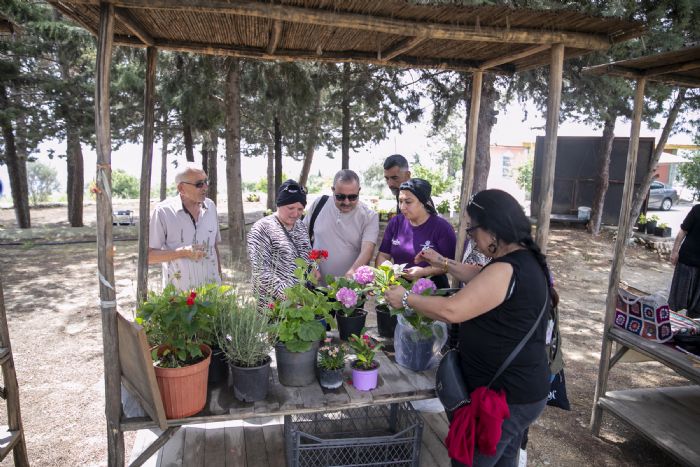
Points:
[(347, 228), (184, 233), (396, 172)]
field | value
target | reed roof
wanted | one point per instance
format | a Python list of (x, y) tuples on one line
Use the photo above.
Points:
[(679, 67), (386, 32)]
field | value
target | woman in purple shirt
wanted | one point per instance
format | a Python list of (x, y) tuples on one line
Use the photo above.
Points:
[(418, 227)]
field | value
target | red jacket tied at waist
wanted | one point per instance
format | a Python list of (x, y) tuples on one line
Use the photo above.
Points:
[(478, 423)]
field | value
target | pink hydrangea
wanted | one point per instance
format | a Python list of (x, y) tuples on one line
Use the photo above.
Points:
[(363, 275), (347, 297), (422, 285)]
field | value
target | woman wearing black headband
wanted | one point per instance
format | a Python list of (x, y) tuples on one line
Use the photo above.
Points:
[(418, 227), (275, 241)]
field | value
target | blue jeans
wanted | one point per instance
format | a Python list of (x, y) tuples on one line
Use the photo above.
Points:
[(521, 417)]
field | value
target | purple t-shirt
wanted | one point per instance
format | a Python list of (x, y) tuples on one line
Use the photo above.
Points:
[(402, 241)]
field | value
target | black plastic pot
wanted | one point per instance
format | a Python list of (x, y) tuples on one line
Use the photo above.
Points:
[(250, 383), (218, 368), (417, 353), (296, 368), (386, 324), (650, 227), (349, 325)]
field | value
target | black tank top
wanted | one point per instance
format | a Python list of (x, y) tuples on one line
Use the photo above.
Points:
[(487, 340)]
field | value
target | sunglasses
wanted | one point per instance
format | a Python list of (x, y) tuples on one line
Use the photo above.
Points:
[(342, 197), (198, 184), (292, 188)]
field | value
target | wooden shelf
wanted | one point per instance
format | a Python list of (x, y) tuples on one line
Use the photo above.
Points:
[(670, 417), (8, 439)]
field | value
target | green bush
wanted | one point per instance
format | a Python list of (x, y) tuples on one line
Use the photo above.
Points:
[(438, 181), (124, 185), (42, 181), (524, 177)]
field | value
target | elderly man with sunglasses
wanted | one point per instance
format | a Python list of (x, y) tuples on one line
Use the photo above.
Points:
[(347, 228), (184, 233)]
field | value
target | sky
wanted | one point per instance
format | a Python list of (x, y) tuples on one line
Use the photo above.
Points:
[(510, 129)]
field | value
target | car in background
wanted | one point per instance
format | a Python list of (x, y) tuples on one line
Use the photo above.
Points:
[(124, 217), (661, 196)]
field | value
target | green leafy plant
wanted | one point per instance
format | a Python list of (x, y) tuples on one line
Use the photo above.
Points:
[(178, 322), (252, 197), (386, 275), (365, 351), (654, 218), (421, 323), (443, 206), (642, 219), (331, 356), (42, 181), (663, 225), (298, 315), (125, 185), (244, 334)]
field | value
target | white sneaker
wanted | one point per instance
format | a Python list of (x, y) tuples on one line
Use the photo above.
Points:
[(522, 458)]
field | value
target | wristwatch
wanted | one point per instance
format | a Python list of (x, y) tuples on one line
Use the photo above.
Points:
[(404, 302)]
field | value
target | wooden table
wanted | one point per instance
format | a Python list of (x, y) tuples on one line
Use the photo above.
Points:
[(395, 384)]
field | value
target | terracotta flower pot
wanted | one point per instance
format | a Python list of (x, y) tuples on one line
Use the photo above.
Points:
[(184, 390)]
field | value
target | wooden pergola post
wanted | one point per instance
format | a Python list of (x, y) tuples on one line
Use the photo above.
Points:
[(544, 209), (469, 162), (105, 243), (146, 162), (618, 255)]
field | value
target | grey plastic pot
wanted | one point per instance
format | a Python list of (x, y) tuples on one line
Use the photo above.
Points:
[(296, 368), (250, 383)]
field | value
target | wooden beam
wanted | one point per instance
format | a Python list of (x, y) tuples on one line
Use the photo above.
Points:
[(618, 255), (550, 147), (293, 55), (105, 241), (68, 11), (275, 36), (128, 20), (399, 48), (146, 165), (469, 163), (673, 68), (672, 79), (514, 56), (399, 27)]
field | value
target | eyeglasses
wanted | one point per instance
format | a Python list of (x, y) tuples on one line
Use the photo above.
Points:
[(198, 184), (342, 197), (472, 228)]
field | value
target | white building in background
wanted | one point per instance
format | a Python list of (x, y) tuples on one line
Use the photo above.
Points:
[(505, 161)]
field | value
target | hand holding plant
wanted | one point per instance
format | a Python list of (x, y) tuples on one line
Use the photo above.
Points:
[(386, 275), (365, 351)]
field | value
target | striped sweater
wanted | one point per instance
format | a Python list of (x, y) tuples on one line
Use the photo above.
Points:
[(272, 256)]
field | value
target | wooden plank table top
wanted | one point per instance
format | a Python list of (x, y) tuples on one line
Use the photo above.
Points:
[(395, 384)]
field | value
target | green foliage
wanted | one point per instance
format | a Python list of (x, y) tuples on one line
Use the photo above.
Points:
[(386, 275), (297, 323), (438, 180), (42, 181), (690, 174), (642, 219), (524, 177), (178, 322), (124, 185), (244, 334), (365, 350), (331, 356), (443, 206), (373, 179), (252, 197)]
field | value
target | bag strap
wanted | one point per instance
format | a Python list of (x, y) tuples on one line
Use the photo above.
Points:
[(314, 215), (524, 340), (289, 237)]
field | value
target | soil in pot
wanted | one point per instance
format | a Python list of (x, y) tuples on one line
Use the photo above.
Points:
[(250, 384), (296, 368), (348, 325), (386, 324)]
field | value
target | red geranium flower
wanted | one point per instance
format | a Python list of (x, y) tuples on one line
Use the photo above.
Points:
[(324, 253), (271, 306), (190, 300), (315, 255)]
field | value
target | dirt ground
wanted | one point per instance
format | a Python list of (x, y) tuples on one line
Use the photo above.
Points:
[(51, 298)]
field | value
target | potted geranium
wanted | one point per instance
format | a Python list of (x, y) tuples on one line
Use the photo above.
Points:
[(417, 338), (177, 323), (331, 363), (383, 277), (246, 339), (299, 328), (365, 367)]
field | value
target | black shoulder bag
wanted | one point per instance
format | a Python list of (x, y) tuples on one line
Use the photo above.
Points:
[(450, 386)]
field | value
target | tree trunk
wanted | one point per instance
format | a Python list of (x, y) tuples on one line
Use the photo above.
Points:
[(601, 187), (75, 181), (487, 119), (212, 164), (189, 142), (164, 159), (234, 185), (643, 189), (312, 142), (205, 154), (16, 167), (278, 154), (271, 193), (345, 108)]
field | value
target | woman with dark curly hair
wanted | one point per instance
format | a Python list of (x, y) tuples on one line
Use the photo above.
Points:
[(495, 310)]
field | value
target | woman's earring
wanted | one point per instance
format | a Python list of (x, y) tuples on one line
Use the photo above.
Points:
[(492, 248)]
